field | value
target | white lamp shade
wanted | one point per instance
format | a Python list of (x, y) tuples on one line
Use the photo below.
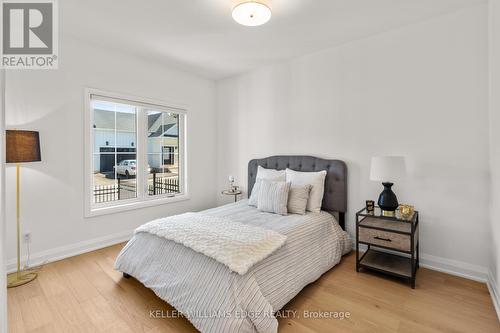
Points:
[(387, 168)]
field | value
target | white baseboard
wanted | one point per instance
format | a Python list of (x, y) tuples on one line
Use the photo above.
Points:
[(455, 267), (452, 267), (494, 292), (67, 251)]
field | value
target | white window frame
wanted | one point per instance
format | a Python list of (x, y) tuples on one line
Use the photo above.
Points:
[(143, 199)]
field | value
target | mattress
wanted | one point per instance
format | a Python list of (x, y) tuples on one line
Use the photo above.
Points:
[(214, 298)]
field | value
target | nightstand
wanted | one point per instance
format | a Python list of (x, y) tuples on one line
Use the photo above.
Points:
[(233, 193), (381, 233)]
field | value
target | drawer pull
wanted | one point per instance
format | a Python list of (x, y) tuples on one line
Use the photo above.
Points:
[(383, 239)]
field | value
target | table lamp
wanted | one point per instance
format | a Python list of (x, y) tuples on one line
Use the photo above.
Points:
[(387, 169), (21, 147)]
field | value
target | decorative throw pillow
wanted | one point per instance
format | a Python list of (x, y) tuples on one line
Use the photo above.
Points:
[(297, 199), (316, 180), (273, 197), (268, 174), (254, 196)]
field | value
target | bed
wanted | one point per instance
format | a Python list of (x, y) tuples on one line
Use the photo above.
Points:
[(216, 299)]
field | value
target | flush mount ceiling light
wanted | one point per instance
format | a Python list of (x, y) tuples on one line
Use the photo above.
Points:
[(251, 13)]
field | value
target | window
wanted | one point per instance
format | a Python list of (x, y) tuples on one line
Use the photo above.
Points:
[(135, 152)]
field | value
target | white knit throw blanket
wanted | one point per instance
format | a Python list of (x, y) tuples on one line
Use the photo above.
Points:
[(238, 246)]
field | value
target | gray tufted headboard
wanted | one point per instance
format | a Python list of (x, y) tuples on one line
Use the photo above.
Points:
[(335, 197)]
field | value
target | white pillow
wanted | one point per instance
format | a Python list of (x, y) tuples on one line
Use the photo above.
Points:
[(273, 197), (316, 180), (297, 199), (268, 174)]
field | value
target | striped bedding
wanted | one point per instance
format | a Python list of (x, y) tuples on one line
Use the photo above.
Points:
[(215, 299)]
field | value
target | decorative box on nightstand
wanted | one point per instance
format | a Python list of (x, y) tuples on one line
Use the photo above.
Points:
[(381, 233)]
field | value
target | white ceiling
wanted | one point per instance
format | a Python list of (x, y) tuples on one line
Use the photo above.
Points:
[(200, 36)]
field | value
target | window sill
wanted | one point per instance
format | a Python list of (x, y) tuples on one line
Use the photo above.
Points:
[(119, 208)]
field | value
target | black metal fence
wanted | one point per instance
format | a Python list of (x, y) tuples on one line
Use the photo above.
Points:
[(163, 185), (122, 190)]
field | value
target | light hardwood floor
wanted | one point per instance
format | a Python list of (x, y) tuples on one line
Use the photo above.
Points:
[(85, 294)]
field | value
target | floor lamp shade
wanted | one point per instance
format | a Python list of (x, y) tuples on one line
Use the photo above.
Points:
[(22, 146)]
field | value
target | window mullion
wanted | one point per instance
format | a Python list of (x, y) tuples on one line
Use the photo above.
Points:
[(181, 153), (140, 156)]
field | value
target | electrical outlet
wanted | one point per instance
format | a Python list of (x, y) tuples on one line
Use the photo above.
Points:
[(27, 237)]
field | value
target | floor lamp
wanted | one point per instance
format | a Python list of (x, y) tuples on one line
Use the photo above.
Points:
[(21, 147)]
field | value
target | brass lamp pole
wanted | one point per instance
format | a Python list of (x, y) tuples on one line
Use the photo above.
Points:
[(21, 147)]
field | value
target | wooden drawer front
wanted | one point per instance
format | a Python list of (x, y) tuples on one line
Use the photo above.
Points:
[(384, 238)]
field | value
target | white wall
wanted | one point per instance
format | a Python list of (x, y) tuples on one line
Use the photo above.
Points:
[(3, 257), (494, 47), (419, 91), (52, 102)]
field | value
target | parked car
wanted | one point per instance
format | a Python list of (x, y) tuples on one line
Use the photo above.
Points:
[(127, 168)]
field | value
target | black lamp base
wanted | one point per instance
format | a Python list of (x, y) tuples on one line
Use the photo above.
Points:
[(387, 200)]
